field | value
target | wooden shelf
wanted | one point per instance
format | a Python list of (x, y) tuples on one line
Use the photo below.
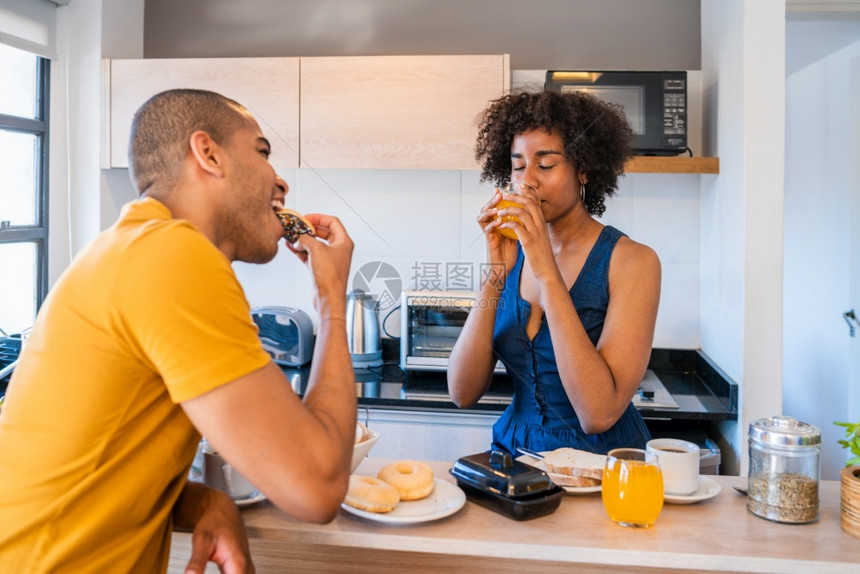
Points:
[(657, 164)]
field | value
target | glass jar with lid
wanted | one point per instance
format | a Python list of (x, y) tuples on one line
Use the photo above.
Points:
[(784, 469)]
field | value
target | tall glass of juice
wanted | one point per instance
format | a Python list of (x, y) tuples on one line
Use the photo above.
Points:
[(632, 488), (515, 188)]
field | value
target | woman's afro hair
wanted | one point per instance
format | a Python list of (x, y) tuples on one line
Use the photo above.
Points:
[(596, 136)]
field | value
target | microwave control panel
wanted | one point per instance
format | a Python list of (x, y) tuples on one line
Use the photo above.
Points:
[(674, 112)]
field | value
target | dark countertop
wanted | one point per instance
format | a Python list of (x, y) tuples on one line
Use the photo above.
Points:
[(703, 392), (701, 389)]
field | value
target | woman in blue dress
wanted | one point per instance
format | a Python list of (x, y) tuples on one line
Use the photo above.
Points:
[(570, 306)]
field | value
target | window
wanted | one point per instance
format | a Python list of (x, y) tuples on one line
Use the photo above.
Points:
[(23, 187)]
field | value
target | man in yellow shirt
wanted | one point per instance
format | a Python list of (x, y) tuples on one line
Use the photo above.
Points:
[(146, 342)]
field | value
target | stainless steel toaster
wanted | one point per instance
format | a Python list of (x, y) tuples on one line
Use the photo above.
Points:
[(287, 334)]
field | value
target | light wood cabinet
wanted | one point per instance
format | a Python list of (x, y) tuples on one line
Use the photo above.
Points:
[(396, 112), (268, 87), (375, 112)]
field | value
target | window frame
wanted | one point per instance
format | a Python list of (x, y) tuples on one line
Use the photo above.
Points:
[(39, 127)]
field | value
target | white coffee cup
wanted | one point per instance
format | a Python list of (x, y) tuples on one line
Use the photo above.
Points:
[(679, 463), (218, 473)]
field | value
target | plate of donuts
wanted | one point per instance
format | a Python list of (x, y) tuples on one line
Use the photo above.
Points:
[(444, 500)]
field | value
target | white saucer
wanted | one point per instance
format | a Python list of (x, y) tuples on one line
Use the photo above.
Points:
[(253, 498), (708, 488), (445, 500)]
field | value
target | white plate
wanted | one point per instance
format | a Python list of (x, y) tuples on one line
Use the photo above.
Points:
[(708, 488), (537, 463), (445, 500), (253, 498)]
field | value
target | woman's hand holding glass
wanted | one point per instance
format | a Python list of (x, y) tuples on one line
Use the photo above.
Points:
[(506, 202), (501, 242), (504, 208)]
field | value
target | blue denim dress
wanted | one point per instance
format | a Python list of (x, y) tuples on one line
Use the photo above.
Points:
[(540, 417)]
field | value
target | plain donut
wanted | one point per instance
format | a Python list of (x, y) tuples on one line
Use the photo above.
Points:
[(412, 479), (371, 494)]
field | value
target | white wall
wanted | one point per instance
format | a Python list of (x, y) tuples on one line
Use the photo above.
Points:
[(820, 151), (555, 34), (854, 207), (79, 25), (743, 54)]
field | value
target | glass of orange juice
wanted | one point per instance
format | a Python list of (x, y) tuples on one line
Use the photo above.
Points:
[(632, 488), (509, 188)]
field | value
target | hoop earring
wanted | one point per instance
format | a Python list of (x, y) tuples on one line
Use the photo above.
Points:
[(582, 192)]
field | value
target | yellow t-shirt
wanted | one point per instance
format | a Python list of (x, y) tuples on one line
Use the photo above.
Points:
[(94, 449)]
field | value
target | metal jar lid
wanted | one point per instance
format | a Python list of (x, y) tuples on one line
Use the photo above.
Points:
[(784, 431)]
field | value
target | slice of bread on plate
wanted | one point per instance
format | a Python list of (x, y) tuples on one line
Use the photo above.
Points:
[(574, 463), (573, 481)]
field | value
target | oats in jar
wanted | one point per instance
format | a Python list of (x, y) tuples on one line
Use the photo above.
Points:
[(784, 497)]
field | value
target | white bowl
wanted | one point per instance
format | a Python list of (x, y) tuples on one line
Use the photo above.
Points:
[(361, 449)]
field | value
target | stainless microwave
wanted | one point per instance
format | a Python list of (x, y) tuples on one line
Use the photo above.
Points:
[(655, 103), (430, 323)]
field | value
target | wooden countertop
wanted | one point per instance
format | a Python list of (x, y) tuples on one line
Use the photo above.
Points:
[(718, 535)]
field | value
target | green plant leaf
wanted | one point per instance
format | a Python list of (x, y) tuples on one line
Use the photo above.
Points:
[(852, 441)]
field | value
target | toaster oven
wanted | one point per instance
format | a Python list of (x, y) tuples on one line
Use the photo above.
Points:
[(430, 323)]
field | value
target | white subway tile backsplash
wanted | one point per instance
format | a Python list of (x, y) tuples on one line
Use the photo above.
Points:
[(619, 210), (423, 225), (474, 195), (389, 212), (271, 284), (666, 215), (678, 316)]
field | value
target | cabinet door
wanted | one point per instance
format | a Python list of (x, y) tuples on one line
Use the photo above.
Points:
[(267, 87), (424, 435), (396, 112)]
